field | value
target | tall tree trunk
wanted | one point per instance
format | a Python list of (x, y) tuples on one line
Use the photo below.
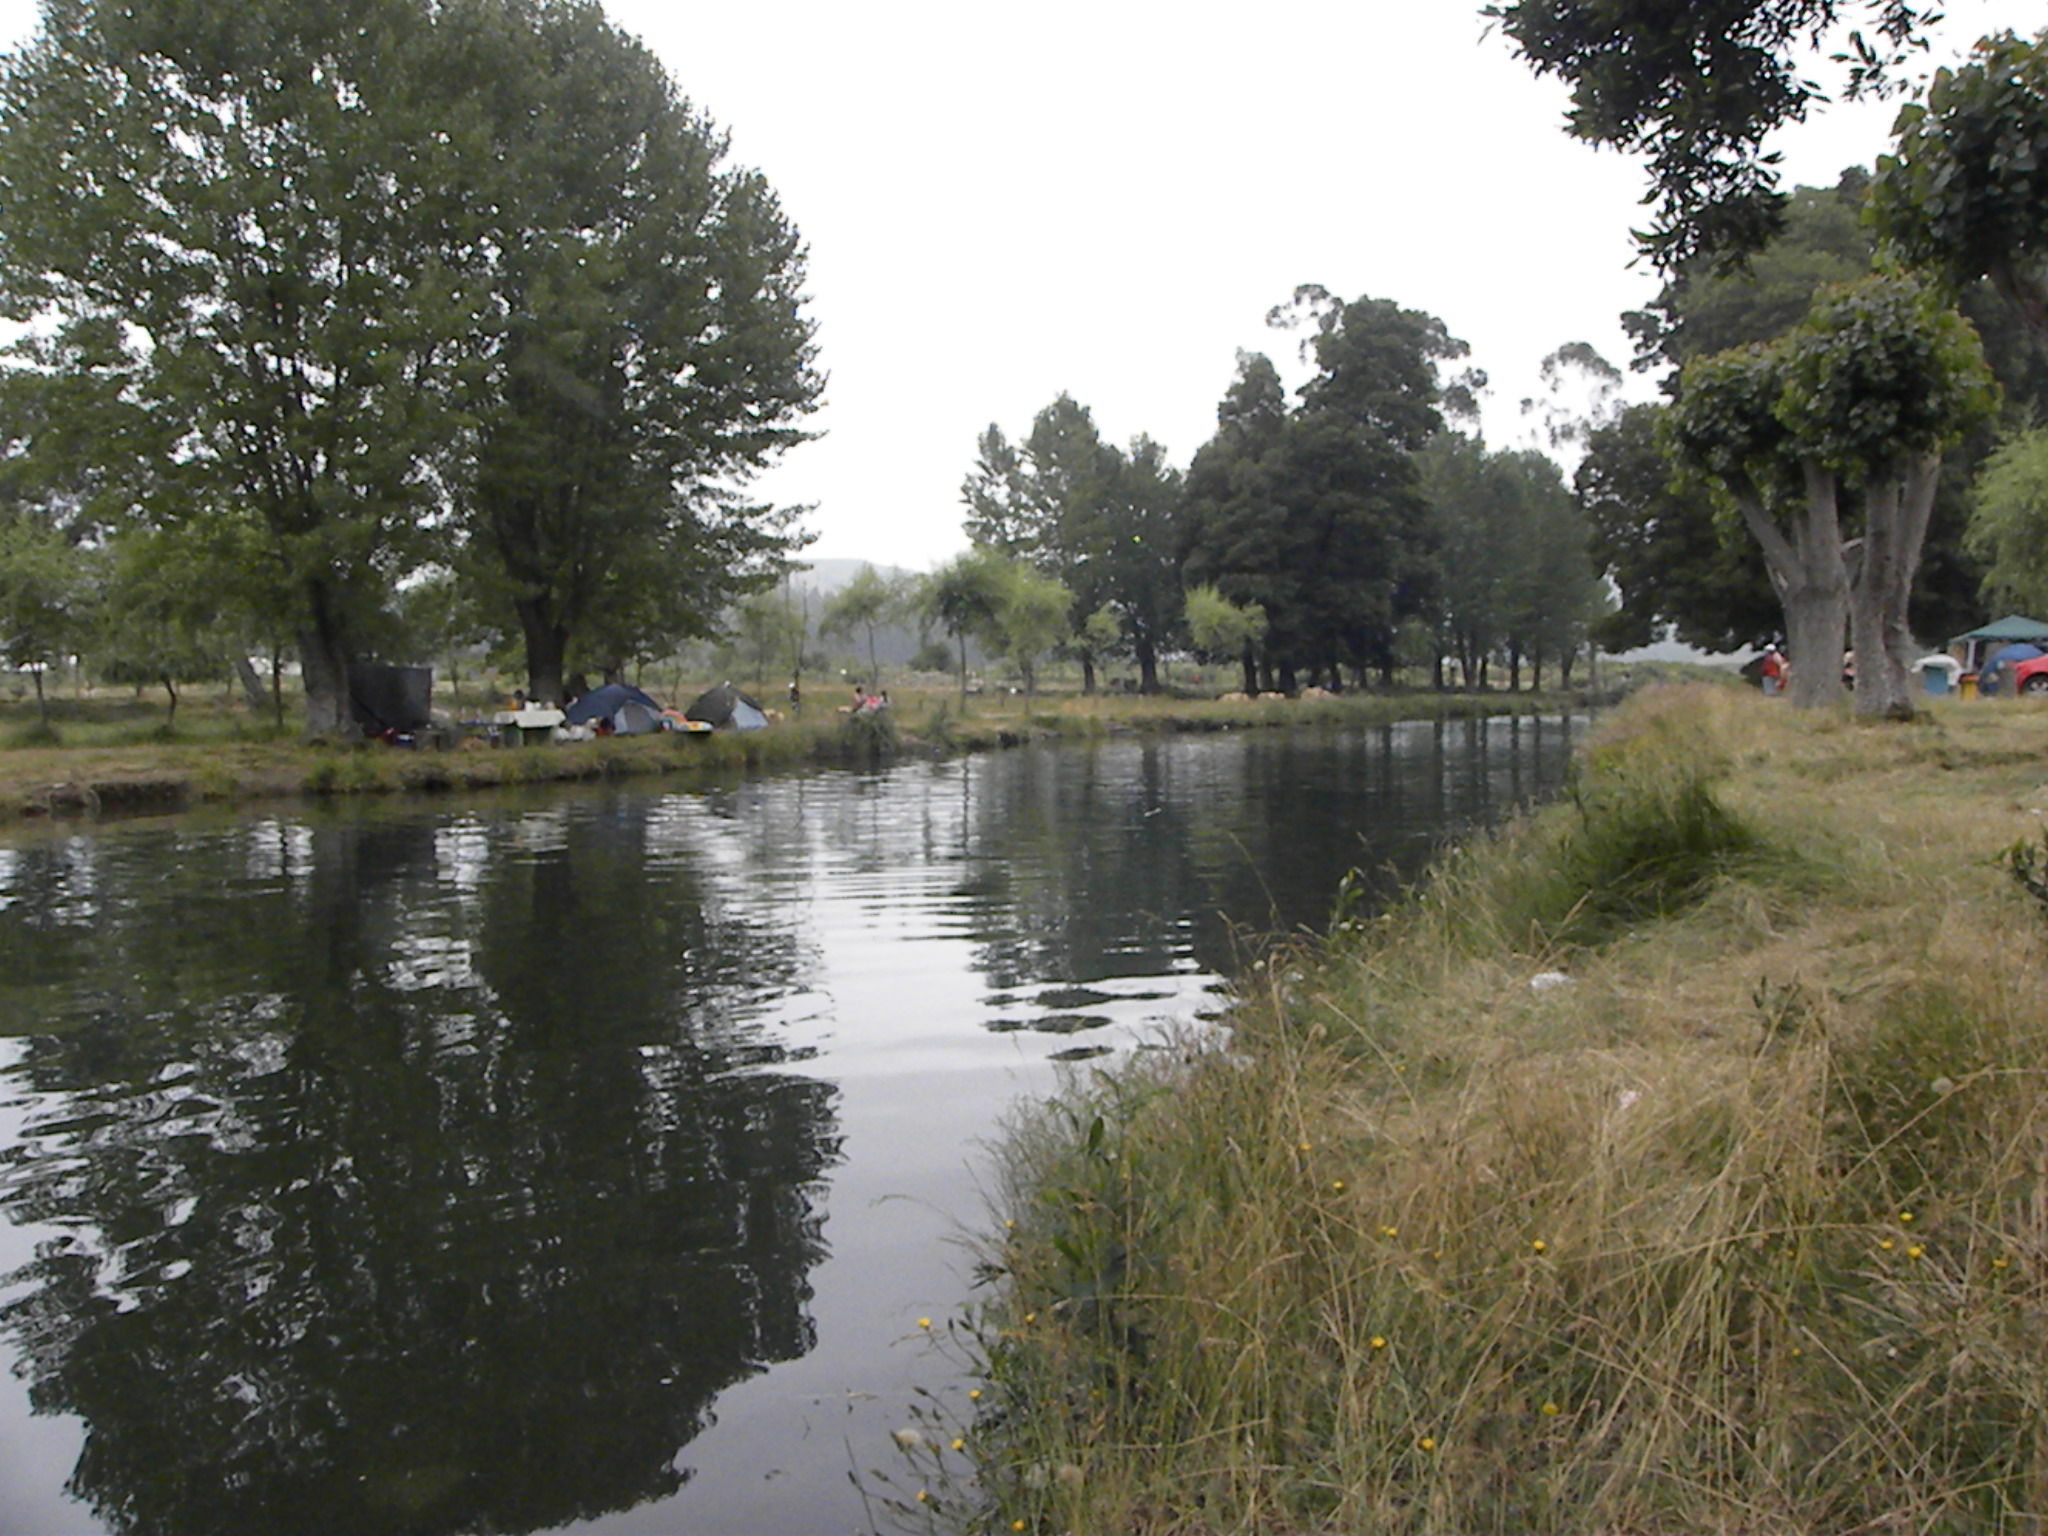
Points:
[(963, 671), (171, 714), (324, 656), (252, 685), (547, 645), (1148, 664), (1811, 580), (42, 704), (1251, 668), (1087, 658), (1895, 525)]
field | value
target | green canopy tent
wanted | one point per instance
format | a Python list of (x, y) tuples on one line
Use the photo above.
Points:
[(2010, 630)]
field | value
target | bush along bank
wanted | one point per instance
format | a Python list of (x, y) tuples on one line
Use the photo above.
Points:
[(1673, 1161)]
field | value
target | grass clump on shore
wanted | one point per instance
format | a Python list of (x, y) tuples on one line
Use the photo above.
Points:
[(1676, 1162)]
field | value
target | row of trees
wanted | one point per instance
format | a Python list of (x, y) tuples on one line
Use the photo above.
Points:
[(331, 300), (1343, 533)]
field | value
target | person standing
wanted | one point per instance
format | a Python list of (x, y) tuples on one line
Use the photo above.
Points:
[(1773, 671)]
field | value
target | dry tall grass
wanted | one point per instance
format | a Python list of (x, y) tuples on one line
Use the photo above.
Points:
[(1741, 1229)]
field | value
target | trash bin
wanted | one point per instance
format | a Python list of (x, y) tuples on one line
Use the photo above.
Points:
[(1938, 673), (1967, 685)]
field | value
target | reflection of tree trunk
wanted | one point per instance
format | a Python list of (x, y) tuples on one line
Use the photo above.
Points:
[(252, 685), (1895, 524)]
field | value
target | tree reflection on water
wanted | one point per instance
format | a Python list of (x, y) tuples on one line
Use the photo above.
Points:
[(428, 1198)]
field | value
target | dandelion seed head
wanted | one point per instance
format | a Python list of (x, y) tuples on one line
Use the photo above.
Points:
[(908, 1439)]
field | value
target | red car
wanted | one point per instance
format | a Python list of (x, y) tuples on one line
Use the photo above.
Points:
[(2029, 676)]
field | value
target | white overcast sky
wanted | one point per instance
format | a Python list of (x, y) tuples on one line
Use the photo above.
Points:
[(1106, 196)]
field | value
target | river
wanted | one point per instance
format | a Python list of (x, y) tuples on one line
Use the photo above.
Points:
[(585, 1160)]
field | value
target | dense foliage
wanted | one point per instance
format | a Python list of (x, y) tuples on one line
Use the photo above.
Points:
[(390, 286)]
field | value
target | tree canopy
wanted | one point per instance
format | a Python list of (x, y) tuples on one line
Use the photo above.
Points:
[(1697, 88), (393, 283)]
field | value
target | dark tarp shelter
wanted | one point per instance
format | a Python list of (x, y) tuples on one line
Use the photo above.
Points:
[(629, 711), (727, 708), (385, 698)]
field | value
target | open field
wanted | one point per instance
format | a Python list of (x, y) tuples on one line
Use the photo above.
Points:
[(111, 753), (1675, 1162)]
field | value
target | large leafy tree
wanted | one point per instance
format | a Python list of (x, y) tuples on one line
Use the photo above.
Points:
[(1697, 88), (647, 349), (1316, 514), (2009, 522), (965, 598), (266, 198), (864, 606), (1848, 415), (1967, 190), (1658, 538), (1103, 522), (47, 598), (1516, 576)]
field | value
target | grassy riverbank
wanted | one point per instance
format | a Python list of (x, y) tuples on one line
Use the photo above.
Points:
[(1741, 1228), (114, 756)]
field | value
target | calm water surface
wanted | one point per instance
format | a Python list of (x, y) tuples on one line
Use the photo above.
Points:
[(584, 1161)]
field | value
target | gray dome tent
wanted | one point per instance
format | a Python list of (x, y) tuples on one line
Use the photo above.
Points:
[(725, 707), (631, 712)]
